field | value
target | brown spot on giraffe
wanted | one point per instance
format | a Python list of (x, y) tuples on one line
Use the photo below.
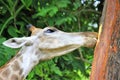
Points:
[(16, 66), (21, 58), (1, 78), (6, 72), (22, 77), (14, 77), (18, 55), (20, 72)]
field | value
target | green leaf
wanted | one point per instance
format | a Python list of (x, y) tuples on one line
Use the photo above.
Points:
[(26, 3), (53, 10), (5, 24), (11, 5), (56, 70), (42, 12), (62, 3), (62, 20), (59, 21), (12, 31), (76, 4), (2, 39)]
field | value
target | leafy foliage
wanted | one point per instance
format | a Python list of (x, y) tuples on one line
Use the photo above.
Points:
[(67, 15)]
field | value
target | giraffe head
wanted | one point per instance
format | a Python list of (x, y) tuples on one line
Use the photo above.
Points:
[(51, 42)]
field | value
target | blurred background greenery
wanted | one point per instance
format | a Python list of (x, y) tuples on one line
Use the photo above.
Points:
[(66, 15)]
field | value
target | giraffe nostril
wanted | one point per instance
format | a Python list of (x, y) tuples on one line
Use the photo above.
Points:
[(29, 26)]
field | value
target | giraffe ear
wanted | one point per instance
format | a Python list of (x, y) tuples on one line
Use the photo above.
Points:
[(15, 42)]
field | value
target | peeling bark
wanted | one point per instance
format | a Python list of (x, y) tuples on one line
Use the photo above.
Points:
[(106, 63)]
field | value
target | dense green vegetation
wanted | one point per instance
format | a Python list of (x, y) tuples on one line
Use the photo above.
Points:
[(66, 15)]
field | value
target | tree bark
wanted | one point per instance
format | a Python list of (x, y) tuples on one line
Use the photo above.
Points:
[(106, 63)]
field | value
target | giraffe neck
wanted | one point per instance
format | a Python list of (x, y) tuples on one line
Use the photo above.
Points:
[(20, 66)]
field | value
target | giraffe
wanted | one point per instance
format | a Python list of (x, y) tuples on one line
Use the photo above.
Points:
[(43, 44)]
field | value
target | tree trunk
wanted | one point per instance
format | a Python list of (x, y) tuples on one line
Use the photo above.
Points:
[(106, 63)]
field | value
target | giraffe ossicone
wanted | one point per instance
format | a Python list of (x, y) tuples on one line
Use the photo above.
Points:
[(43, 44)]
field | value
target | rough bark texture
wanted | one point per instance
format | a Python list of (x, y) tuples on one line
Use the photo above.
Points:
[(106, 64)]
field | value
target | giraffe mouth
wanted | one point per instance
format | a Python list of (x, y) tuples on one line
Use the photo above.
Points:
[(60, 49)]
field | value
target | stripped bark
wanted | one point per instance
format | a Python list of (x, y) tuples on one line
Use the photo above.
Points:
[(106, 63)]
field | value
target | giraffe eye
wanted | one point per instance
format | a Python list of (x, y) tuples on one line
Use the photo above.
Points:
[(50, 30)]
